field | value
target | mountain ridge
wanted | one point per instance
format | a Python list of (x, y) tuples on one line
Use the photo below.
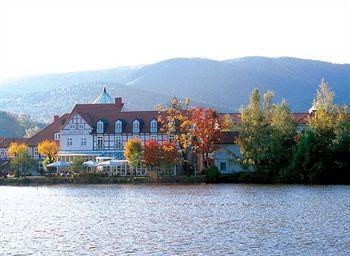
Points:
[(225, 84)]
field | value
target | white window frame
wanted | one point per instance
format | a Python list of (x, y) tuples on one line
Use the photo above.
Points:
[(69, 142), (154, 126), (171, 137), (136, 126), (57, 136), (100, 142), (99, 127), (118, 126), (83, 142)]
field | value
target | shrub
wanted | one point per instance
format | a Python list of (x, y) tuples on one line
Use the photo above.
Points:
[(212, 175)]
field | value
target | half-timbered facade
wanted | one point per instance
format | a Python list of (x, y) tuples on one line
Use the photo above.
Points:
[(102, 128)]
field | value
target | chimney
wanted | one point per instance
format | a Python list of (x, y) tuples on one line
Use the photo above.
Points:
[(118, 101), (55, 118)]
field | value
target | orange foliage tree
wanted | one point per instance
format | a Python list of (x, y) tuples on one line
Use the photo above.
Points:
[(176, 122), (170, 152), (15, 148), (152, 153), (206, 130), (48, 148)]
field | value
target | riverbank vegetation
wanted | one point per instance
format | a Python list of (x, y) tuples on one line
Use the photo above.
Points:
[(272, 146)]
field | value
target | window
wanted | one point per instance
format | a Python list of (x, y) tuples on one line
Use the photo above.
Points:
[(69, 142), (118, 126), (154, 137), (35, 151), (154, 125), (223, 166), (81, 126), (83, 141), (118, 142), (100, 143), (56, 136), (171, 138), (72, 126), (100, 127), (136, 126)]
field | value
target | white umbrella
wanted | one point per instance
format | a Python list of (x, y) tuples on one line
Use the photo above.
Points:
[(90, 163), (113, 163), (59, 164)]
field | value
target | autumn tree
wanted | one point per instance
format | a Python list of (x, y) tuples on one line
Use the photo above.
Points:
[(170, 154), (152, 153), (205, 131), (133, 152), (49, 148), (21, 162), (15, 148), (176, 123), (228, 124)]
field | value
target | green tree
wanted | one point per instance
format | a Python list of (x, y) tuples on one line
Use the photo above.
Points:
[(322, 153), (253, 138), (228, 124), (133, 152), (23, 163), (281, 143), (77, 165)]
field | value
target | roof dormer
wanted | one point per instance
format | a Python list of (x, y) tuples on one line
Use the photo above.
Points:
[(100, 126)]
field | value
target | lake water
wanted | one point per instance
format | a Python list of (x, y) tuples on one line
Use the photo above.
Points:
[(175, 220)]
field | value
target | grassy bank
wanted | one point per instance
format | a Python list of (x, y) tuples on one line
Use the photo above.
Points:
[(98, 179)]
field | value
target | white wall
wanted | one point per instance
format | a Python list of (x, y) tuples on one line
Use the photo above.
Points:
[(80, 130), (223, 155)]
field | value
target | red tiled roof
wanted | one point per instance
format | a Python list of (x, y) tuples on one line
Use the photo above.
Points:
[(5, 142), (109, 113), (228, 137), (48, 132)]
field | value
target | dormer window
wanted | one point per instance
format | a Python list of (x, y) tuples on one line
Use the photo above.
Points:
[(135, 126), (118, 126), (154, 125), (99, 127)]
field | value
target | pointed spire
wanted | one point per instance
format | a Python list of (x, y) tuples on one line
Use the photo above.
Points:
[(104, 98)]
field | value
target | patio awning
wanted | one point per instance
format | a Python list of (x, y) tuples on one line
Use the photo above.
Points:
[(113, 163), (90, 163), (59, 164)]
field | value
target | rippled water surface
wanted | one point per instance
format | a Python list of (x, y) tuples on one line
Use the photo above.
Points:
[(175, 220)]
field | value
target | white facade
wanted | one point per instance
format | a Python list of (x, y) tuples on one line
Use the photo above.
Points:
[(76, 135), (224, 158), (77, 138)]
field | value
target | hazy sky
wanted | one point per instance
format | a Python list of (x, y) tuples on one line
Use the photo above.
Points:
[(59, 36)]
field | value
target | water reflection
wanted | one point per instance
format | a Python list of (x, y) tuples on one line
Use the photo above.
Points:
[(173, 220)]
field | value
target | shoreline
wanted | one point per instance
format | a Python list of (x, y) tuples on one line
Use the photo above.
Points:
[(98, 179)]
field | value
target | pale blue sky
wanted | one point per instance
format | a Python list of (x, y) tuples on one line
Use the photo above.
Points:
[(45, 36)]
